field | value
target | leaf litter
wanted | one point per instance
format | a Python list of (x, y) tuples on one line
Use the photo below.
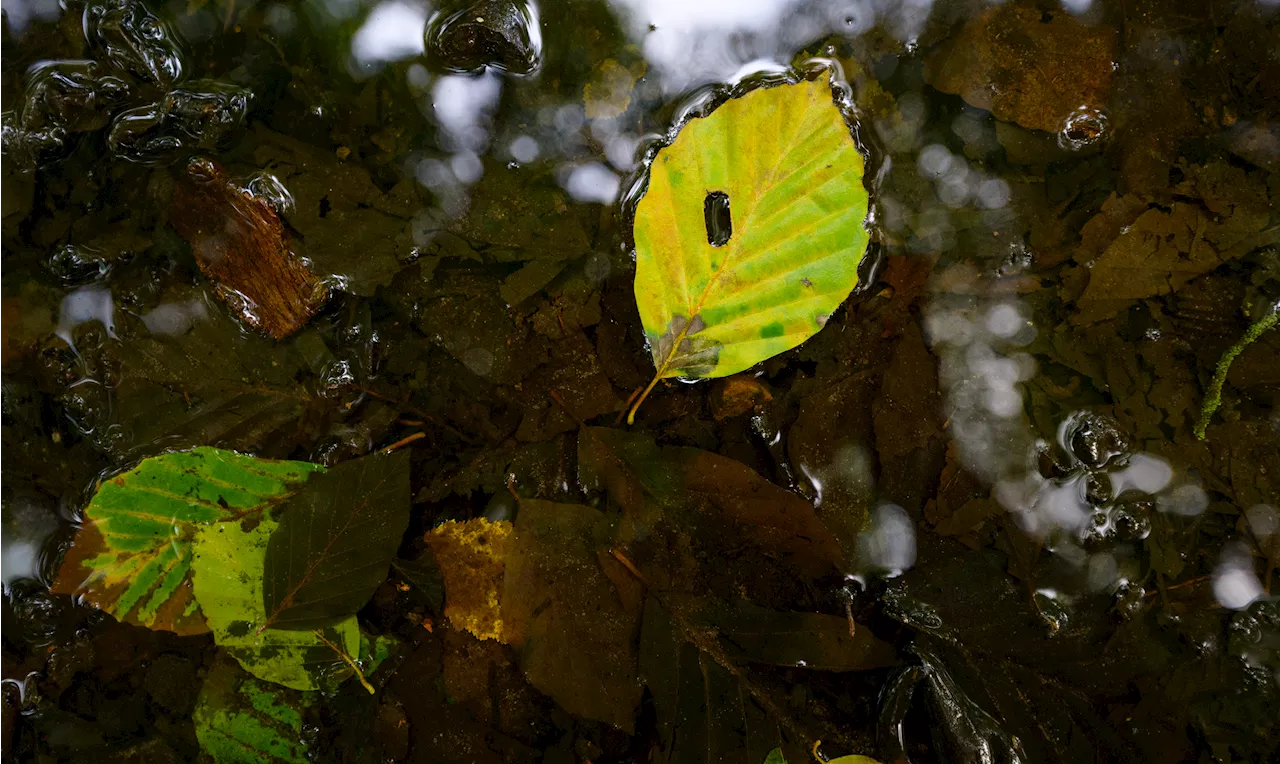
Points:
[(738, 574)]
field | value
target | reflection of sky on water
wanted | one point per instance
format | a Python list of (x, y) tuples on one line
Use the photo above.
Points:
[(27, 525)]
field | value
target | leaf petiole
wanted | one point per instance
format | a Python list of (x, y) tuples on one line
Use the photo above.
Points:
[(345, 658)]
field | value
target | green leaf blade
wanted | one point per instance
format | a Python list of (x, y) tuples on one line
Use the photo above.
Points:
[(239, 719), (132, 555), (335, 542), (785, 158)]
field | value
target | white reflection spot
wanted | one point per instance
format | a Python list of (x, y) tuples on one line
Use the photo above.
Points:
[(1235, 585), (889, 544), (174, 318), (1145, 473), (83, 306), (1187, 500), (523, 149), (392, 32), (592, 182)]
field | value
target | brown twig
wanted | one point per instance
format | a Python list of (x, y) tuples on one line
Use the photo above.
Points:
[(404, 442)]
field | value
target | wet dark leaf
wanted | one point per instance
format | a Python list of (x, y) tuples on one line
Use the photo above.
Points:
[(1164, 247), (704, 712), (814, 641), (423, 574), (572, 624), (677, 499), (335, 541), (351, 229), (198, 380)]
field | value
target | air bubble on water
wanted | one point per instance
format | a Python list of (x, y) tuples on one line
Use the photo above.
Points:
[(1084, 127), (268, 188)]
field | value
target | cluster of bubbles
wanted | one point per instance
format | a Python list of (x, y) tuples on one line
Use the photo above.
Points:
[(135, 53), (1088, 495)]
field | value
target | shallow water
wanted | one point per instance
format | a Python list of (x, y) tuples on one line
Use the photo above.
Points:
[(1030, 554)]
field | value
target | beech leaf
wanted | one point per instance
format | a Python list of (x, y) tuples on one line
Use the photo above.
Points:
[(335, 542), (132, 555), (239, 718), (228, 567), (750, 232)]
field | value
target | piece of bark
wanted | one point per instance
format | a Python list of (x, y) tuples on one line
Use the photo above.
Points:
[(240, 242)]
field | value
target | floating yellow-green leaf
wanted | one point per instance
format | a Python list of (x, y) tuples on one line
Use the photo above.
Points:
[(750, 232), (132, 555)]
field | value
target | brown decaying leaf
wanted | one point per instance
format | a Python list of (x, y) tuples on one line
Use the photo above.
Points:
[(1221, 213), (472, 557), (240, 243), (1026, 66)]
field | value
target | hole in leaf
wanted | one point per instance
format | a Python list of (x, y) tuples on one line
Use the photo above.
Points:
[(719, 223)]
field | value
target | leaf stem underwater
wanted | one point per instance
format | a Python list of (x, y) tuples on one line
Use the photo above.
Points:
[(662, 371), (346, 659)]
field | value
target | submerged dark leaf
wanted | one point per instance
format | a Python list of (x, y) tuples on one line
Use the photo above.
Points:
[(675, 500), (335, 541), (807, 640), (573, 625), (424, 575)]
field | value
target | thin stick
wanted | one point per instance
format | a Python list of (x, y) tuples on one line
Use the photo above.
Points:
[(404, 441)]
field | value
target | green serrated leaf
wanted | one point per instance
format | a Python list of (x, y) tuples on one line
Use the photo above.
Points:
[(228, 565), (241, 719), (132, 555), (335, 542), (786, 163)]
